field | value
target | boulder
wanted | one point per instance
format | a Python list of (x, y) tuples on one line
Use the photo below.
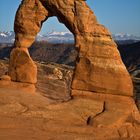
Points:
[(5, 78)]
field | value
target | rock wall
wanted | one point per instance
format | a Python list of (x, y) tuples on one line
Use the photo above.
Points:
[(99, 66)]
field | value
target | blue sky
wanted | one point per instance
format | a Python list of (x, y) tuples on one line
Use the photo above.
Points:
[(120, 16)]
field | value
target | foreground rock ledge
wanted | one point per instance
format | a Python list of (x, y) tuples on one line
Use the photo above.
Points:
[(25, 114), (99, 66)]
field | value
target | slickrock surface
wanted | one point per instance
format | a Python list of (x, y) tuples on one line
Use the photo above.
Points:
[(41, 114), (99, 66), (25, 114)]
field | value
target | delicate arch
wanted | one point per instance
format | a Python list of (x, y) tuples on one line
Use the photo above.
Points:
[(99, 63)]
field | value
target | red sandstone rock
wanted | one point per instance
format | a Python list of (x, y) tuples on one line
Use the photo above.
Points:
[(100, 67), (28, 115), (5, 78), (22, 67)]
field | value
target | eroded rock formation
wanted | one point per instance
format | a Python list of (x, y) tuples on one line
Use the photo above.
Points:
[(99, 66)]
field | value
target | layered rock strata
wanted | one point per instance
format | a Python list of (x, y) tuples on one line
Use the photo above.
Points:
[(99, 66)]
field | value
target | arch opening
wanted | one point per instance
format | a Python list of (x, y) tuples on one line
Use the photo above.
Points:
[(54, 44), (54, 49)]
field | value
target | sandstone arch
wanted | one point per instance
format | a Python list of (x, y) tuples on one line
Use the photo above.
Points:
[(99, 67)]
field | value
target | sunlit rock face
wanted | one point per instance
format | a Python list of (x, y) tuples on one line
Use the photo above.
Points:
[(99, 66)]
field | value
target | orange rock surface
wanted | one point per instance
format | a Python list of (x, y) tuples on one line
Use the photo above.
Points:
[(26, 114), (99, 66), (46, 112)]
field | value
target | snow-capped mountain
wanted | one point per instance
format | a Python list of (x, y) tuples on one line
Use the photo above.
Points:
[(7, 37), (63, 37), (121, 36), (52, 37), (56, 37)]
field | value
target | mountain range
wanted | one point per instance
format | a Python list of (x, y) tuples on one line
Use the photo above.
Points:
[(56, 37), (122, 38), (7, 37), (65, 37)]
